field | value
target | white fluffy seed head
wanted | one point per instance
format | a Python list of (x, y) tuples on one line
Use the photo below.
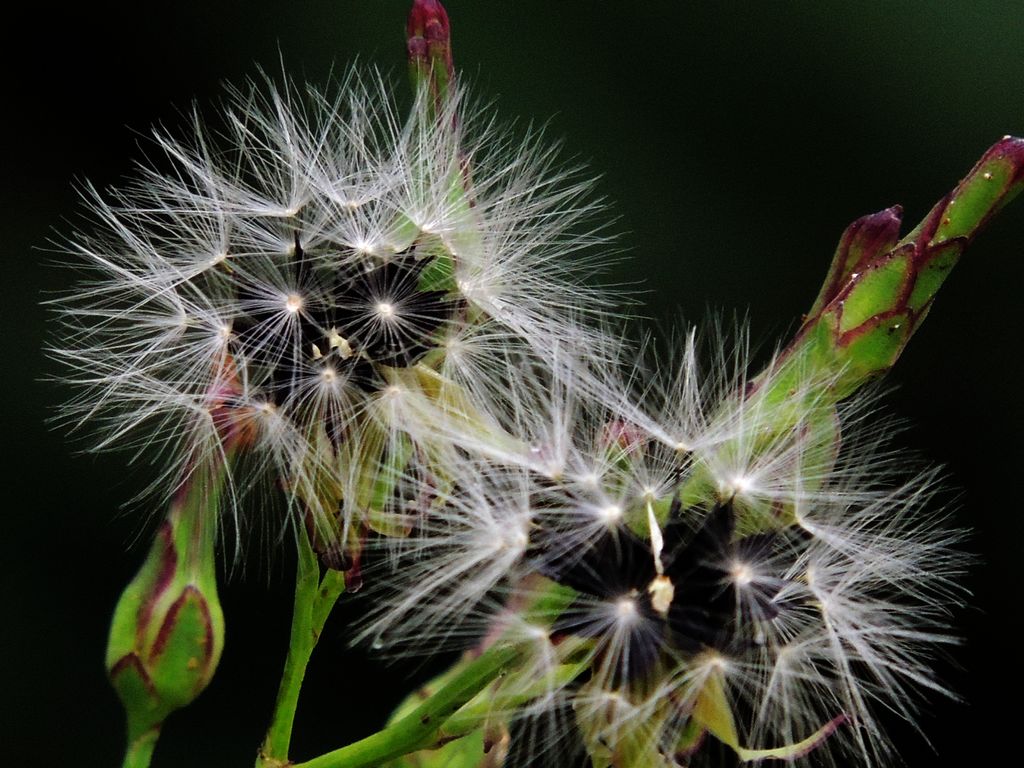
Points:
[(297, 252), (840, 573)]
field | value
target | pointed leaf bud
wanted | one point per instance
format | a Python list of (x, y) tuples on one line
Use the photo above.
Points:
[(168, 628)]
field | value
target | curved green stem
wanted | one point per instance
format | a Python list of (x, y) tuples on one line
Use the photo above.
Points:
[(419, 728), (140, 749), (314, 599)]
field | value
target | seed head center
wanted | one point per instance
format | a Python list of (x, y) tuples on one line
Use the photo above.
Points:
[(742, 574), (611, 514), (625, 609)]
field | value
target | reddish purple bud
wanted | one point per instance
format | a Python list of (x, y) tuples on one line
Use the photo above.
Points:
[(429, 36), (428, 42)]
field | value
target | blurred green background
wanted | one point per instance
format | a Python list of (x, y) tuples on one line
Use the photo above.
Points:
[(736, 141)]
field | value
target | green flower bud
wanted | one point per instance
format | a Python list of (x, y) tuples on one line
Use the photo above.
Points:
[(168, 628)]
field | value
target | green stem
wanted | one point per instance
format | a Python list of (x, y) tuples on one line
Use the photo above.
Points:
[(419, 728), (314, 599), (475, 713), (331, 587), (140, 749)]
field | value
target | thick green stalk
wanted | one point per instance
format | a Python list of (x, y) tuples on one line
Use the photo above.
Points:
[(465, 737), (314, 600), (419, 728), (140, 749)]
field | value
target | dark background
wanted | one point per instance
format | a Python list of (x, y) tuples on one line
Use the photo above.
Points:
[(736, 141)]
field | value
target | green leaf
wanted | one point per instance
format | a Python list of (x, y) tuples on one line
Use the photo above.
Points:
[(713, 714)]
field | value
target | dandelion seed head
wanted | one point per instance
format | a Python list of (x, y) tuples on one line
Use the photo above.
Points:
[(798, 586), (306, 277), (304, 251)]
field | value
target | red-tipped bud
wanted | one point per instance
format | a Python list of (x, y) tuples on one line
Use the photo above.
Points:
[(428, 41)]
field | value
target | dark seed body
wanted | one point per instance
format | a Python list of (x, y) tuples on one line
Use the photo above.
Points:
[(350, 320), (705, 610)]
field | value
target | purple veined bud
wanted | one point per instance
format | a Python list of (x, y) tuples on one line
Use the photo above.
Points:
[(167, 633)]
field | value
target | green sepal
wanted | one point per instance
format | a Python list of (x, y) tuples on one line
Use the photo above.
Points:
[(794, 751), (690, 738), (615, 741), (396, 459), (882, 284), (713, 714)]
